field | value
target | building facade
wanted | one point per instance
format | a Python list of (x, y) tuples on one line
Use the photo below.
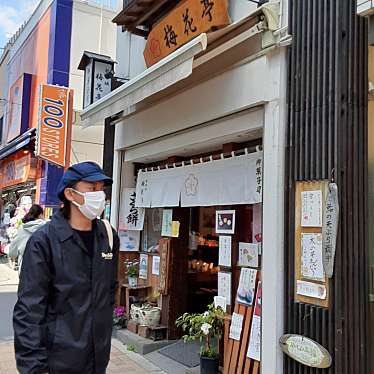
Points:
[(47, 50), (217, 100), (285, 84)]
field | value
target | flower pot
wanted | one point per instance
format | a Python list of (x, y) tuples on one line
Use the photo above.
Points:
[(135, 313), (150, 316), (133, 281), (209, 365)]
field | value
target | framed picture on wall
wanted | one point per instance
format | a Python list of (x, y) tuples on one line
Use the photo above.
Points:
[(225, 221)]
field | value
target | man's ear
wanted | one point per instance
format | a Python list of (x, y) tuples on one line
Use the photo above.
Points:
[(69, 194)]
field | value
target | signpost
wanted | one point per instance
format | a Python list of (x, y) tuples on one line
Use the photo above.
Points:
[(54, 133)]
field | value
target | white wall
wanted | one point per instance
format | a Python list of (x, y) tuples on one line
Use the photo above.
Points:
[(240, 8), (87, 143), (130, 58), (93, 31), (236, 89)]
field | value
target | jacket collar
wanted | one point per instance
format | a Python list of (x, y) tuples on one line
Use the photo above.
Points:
[(65, 231)]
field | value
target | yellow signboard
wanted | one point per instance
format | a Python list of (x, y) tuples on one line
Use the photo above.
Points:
[(182, 24)]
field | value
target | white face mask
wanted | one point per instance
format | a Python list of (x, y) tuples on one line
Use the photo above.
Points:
[(94, 204)]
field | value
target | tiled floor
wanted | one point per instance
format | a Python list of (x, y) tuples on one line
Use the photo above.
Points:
[(121, 361)]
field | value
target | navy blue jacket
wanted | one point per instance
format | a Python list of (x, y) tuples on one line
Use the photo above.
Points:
[(63, 317)]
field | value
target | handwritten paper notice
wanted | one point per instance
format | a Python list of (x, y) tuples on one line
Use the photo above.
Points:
[(236, 326), (248, 254), (311, 213), (254, 348), (308, 289), (224, 250), (311, 257), (167, 222), (143, 266), (224, 286), (133, 217), (330, 229), (247, 285)]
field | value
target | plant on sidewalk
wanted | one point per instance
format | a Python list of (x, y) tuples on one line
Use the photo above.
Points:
[(131, 348), (119, 318), (204, 327)]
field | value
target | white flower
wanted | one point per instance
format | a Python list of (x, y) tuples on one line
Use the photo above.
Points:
[(205, 328), (206, 314)]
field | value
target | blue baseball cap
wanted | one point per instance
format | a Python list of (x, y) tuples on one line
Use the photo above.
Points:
[(85, 171)]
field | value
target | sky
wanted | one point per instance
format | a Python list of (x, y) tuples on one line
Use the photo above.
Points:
[(12, 14)]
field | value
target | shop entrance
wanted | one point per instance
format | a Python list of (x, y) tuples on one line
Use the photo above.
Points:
[(201, 240), (195, 259)]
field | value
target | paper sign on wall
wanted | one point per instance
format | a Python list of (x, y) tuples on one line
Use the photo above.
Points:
[(247, 285), (330, 229), (133, 217), (311, 211), (254, 348), (220, 302), (175, 225), (224, 250), (167, 222), (236, 326), (311, 256), (248, 254), (143, 266), (156, 265), (309, 289), (129, 240), (224, 286)]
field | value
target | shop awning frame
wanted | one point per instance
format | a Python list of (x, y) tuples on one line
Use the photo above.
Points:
[(18, 143), (179, 65)]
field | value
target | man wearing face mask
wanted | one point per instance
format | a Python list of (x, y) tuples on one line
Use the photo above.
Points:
[(63, 317)]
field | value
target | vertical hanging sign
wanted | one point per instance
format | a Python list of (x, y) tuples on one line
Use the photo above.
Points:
[(330, 229), (55, 107)]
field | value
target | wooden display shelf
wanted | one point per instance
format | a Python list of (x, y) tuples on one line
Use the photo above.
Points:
[(127, 291)]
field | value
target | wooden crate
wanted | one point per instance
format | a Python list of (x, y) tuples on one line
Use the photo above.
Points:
[(132, 326), (158, 333), (144, 331)]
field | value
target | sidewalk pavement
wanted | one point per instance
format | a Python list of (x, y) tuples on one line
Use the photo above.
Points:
[(121, 361), (8, 277)]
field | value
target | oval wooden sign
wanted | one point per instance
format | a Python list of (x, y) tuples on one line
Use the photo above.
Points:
[(306, 351)]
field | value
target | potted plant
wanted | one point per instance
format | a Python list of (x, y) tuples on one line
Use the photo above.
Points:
[(119, 318), (205, 327), (132, 271)]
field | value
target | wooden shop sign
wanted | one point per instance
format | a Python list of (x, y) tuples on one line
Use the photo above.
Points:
[(306, 351), (188, 20)]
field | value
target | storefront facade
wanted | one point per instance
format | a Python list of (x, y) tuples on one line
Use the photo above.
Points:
[(218, 100)]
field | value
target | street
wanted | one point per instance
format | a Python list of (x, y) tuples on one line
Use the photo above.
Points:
[(122, 360), (8, 295)]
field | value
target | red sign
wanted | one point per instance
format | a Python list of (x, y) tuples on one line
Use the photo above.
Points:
[(54, 133), (15, 170)]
